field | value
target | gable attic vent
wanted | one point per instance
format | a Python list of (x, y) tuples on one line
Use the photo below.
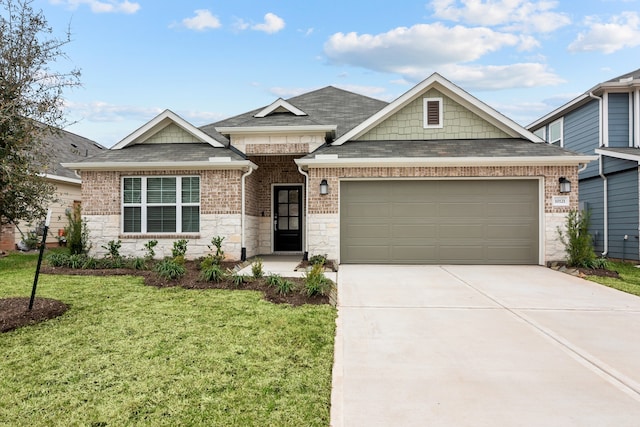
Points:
[(432, 112)]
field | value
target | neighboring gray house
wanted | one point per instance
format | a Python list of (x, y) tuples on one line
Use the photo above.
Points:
[(605, 120)]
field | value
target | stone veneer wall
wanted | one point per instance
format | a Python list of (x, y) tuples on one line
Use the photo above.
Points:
[(220, 213), (324, 217)]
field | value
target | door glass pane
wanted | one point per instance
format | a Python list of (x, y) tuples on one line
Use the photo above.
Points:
[(293, 209), (283, 196), (293, 196), (283, 223), (293, 223), (283, 209)]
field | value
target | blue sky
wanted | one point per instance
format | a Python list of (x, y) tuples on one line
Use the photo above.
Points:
[(208, 60)]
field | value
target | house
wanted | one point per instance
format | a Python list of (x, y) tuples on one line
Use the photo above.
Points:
[(65, 147), (605, 121), (435, 176)]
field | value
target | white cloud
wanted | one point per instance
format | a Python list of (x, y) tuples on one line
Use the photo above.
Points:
[(104, 6), (204, 20), (272, 24), (516, 15), (622, 31), (408, 50), (498, 77)]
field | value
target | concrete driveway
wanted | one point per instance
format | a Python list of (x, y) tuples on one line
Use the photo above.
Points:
[(483, 346)]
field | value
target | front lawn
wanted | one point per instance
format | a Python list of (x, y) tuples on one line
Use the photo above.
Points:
[(129, 354), (629, 280)]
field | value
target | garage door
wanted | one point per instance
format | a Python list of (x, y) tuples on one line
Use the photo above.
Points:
[(439, 222)]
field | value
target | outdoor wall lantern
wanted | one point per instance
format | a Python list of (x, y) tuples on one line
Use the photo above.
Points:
[(565, 185), (324, 187)]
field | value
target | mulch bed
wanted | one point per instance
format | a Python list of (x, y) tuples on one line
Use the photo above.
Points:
[(14, 312), (191, 280), (603, 272)]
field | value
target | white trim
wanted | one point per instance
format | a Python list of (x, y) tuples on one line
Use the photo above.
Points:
[(541, 201), (279, 103), (605, 119), (446, 161), (165, 165), (450, 90), (228, 130), (160, 122), (618, 155), (636, 118), (425, 121), (630, 97), (561, 111), (64, 179)]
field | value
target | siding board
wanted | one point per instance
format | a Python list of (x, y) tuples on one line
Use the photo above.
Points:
[(581, 132), (618, 120)]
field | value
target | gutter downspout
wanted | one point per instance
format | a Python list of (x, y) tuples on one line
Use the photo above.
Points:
[(605, 188), (243, 250), (305, 256)]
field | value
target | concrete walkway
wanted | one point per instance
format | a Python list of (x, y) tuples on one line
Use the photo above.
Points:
[(284, 265), (483, 346)]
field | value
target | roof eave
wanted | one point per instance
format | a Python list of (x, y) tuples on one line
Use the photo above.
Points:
[(229, 130), (62, 179), (618, 155), (446, 161), (165, 165)]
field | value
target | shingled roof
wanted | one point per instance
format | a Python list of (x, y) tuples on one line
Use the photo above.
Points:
[(499, 147), (68, 147), (326, 106)]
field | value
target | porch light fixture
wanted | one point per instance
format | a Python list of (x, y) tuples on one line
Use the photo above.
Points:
[(565, 185), (324, 187)]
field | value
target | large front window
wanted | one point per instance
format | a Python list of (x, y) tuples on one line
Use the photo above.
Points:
[(161, 204)]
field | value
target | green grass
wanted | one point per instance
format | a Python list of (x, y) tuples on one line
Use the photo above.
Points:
[(127, 354), (629, 280)]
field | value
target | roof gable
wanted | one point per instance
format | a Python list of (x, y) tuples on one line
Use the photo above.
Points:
[(167, 127), (497, 121), (280, 106)]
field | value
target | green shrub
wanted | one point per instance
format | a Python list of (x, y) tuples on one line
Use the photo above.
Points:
[(315, 282), (179, 248), (113, 247), (31, 240), (577, 240), (273, 279), (58, 259), (76, 232), (212, 273), (138, 263), (149, 249), (90, 263), (216, 242), (77, 260), (318, 259), (169, 269), (285, 286), (179, 259), (238, 279), (256, 268)]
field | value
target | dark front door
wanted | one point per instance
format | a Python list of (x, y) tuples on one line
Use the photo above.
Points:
[(287, 218)]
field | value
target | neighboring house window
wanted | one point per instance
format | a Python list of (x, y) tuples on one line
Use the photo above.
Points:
[(161, 204), (432, 112), (540, 133), (555, 133)]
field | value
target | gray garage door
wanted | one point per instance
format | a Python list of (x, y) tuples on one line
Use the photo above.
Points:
[(439, 222)]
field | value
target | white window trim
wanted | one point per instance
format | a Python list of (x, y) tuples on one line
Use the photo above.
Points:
[(425, 101), (560, 140), (143, 204)]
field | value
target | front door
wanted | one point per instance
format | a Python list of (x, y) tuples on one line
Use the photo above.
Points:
[(287, 218)]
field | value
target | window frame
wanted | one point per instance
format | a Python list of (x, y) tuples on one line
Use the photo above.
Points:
[(560, 140), (425, 113), (144, 204)]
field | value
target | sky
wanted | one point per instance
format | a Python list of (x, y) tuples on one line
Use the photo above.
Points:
[(207, 60)]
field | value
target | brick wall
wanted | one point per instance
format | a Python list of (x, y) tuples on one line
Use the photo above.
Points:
[(271, 170), (7, 238)]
